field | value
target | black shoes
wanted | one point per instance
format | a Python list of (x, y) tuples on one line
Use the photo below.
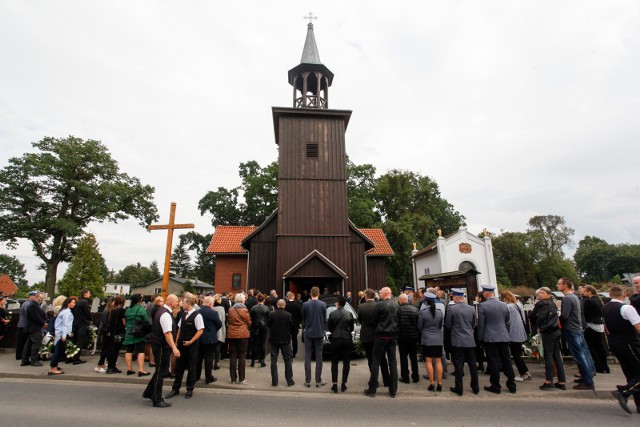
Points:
[(143, 374), (188, 394), (253, 363), (79, 362), (549, 386), (583, 387), (38, 363), (492, 390), (171, 394), (291, 384), (560, 386), (455, 390), (212, 380), (334, 388), (431, 387), (25, 364), (622, 400), (216, 367), (129, 372), (145, 395), (402, 380), (262, 364), (370, 393), (162, 404), (343, 387), (439, 388)]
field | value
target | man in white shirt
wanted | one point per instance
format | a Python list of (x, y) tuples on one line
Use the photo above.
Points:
[(623, 324)]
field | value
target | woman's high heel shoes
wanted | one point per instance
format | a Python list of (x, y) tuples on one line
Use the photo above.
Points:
[(439, 388), (431, 387)]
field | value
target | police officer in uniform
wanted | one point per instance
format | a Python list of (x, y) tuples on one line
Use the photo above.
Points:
[(461, 321), (190, 328), (493, 331), (162, 345)]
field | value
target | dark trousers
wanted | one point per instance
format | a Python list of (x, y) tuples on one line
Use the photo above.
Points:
[(162, 356), (114, 352), (206, 354), (285, 349), (552, 355), (32, 347), (311, 344), (238, 358), (383, 347), (408, 353), (58, 351), (259, 343), (629, 358), (186, 361), (80, 339), (516, 352), (294, 341), (597, 348), (107, 343), (498, 355), (384, 366), (340, 351), (22, 338), (462, 355)]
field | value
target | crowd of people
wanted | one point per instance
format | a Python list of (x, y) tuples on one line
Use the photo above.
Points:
[(177, 336)]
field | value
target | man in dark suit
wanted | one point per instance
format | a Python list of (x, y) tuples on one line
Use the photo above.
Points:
[(408, 334), (82, 319), (280, 333), (493, 331), (208, 340), (36, 321), (367, 332), (295, 308)]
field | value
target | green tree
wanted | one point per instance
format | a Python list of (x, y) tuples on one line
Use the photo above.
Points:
[(412, 210), (11, 266), (259, 191), (625, 258), (85, 269), (514, 259), (361, 182), (50, 196), (181, 260), (549, 234), (137, 275), (204, 265), (592, 259)]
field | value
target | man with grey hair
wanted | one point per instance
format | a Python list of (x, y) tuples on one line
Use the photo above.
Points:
[(35, 322), (635, 298), (385, 342), (280, 333), (408, 334), (208, 340)]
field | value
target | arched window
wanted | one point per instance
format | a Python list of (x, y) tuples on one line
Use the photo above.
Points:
[(466, 265)]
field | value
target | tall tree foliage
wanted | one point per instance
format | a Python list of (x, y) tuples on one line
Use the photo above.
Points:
[(549, 234), (180, 259), (138, 275), (85, 269), (11, 266), (50, 196), (599, 261), (515, 259), (204, 263)]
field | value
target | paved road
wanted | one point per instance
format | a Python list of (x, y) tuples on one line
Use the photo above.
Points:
[(32, 402)]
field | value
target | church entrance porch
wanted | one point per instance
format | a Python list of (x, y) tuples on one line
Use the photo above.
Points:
[(327, 285)]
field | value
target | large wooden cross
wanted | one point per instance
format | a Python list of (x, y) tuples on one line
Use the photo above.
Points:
[(167, 260)]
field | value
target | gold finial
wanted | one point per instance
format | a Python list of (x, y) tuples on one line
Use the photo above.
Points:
[(414, 246), (439, 232), (485, 232)]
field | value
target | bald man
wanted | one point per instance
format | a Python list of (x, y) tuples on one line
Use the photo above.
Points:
[(163, 347)]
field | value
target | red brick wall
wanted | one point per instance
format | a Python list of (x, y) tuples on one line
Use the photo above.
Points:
[(226, 267)]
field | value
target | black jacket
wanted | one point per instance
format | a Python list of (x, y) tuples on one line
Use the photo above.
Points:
[(295, 308), (544, 316), (408, 322), (593, 310), (367, 321), (82, 313), (280, 326), (340, 324), (386, 318), (35, 318)]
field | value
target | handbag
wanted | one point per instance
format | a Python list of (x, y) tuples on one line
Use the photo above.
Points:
[(140, 328), (118, 338)]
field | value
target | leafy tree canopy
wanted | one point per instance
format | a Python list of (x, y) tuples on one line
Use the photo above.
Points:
[(549, 234), (85, 270), (11, 266), (48, 197), (137, 275)]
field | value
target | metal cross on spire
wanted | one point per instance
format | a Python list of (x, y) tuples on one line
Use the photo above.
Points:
[(310, 17)]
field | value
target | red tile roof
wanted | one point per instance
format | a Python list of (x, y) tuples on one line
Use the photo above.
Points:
[(7, 286), (382, 246), (227, 238)]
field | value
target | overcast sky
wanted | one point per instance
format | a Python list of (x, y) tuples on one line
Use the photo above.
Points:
[(515, 108)]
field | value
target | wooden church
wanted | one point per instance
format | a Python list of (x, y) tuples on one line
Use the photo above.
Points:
[(309, 240)]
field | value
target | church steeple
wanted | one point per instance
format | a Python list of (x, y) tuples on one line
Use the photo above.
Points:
[(311, 79)]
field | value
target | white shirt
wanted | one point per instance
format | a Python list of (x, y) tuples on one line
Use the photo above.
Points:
[(197, 321), (628, 312), (166, 321)]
